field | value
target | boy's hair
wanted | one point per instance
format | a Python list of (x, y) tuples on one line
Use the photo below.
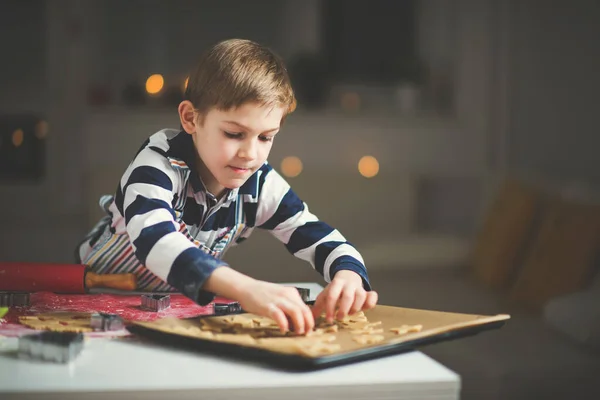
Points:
[(235, 72)]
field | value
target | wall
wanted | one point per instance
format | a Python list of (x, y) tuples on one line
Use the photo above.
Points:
[(40, 221), (82, 162), (555, 88), (136, 38), (513, 93)]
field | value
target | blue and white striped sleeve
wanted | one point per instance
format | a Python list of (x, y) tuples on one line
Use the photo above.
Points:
[(148, 186), (287, 217)]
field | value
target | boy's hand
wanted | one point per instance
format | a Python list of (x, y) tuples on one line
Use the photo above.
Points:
[(346, 293), (282, 304)]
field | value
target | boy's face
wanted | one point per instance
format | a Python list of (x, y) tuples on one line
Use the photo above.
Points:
[(233, 144)]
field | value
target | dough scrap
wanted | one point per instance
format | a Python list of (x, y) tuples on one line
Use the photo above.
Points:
[(366, 331), (404, 329), (368, 339), (193, 331), (318, 349), (59, 321), (308, 346)]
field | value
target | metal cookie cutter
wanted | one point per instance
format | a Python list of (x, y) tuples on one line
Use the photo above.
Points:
[(228, 308), (106, 322), (304, 293), (156, 302), (59, 347), (14, 299)]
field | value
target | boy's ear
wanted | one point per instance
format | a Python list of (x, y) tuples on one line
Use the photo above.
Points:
[(187, 116)]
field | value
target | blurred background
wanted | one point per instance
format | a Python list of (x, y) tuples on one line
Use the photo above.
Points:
[(409, 111), (411, 115)]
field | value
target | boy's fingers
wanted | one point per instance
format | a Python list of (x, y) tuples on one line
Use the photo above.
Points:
[(360, 299), (346, 300), (331, 299), (279, 317), (309, 320), (293, 311), (371, 300), (319, 305), (305, 313)]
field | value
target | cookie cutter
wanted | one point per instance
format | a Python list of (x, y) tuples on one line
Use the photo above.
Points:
[(227, 308), (58, 347), (304, 293), (106, 322), (14, 299), (156, 302)]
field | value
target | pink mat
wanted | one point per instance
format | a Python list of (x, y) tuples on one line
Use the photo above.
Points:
[(126, 306)]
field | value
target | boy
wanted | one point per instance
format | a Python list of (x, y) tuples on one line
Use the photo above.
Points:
[(190, 194)]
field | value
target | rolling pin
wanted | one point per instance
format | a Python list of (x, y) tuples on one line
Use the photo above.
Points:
[(59, 278)]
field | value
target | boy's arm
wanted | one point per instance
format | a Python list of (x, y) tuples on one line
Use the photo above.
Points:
[(144, 200), (282, 212)]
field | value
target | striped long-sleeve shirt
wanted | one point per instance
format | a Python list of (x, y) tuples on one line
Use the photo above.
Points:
[(165, 223)]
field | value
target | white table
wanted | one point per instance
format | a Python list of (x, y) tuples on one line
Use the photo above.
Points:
[(117, 369)]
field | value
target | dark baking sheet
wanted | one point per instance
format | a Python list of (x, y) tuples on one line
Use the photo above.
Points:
[(437, 326)]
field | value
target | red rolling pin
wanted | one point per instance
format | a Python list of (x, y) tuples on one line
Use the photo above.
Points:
[(58, 278)]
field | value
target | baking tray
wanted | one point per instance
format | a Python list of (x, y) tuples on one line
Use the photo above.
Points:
[(437, 326)]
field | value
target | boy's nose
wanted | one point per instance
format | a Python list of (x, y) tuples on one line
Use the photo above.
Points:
[(248, 150)]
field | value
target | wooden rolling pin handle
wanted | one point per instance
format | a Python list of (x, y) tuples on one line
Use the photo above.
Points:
[(113, 281)]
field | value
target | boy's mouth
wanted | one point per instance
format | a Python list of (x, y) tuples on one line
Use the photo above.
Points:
[(239, 170)]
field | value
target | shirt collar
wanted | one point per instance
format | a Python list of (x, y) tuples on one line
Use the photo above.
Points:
[(182, 148)]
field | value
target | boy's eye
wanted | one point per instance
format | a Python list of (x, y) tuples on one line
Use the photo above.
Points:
[(266, 138), (233, 135)]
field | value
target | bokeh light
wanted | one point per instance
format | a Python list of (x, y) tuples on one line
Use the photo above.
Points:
[(368, 166), (291, 166), (17, 137), (41, 129), (155, 83)]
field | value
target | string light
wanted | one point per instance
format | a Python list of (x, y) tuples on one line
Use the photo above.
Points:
[(155, 83), (185, 84), (291, 166), (368, 166)]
